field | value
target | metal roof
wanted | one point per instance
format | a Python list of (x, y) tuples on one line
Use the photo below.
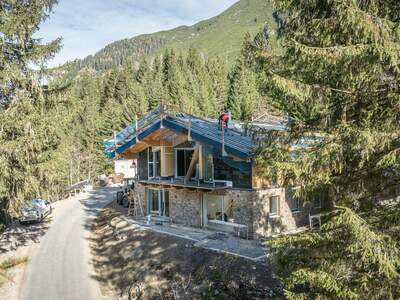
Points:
[(237, 141)]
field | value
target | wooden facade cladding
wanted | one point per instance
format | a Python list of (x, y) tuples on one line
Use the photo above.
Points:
[(258, 179), (167, 159)]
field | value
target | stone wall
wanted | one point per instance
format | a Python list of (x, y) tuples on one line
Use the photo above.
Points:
[(287, 220), (185, 207), (242, 207), (143, 197)]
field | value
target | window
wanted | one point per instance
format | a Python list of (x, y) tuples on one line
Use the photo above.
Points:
[(157, 163), (319, 198), (295, 204), (150, 162), (155, 201), (224, 171), (317, 202), (154, 162), (183, 157), (208, 165), (274, 206), (219, 208)]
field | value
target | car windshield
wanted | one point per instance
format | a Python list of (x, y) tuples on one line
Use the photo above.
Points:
[(39, 202)]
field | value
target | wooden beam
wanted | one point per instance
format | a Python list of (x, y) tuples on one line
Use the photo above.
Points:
[(192, 166)]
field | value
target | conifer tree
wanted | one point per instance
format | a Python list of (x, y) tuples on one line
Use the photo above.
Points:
[(338, 81), (109, 84), (173, 81), (219, 84), (28, 135)]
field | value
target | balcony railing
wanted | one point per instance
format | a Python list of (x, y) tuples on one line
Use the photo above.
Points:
[(189, 184)]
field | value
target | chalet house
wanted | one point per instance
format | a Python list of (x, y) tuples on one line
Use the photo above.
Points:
[(191, 172)]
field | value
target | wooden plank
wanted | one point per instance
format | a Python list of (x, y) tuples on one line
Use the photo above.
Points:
[(167, 160), (193, 162)]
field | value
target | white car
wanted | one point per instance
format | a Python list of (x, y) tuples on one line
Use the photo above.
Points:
[(37, 210)]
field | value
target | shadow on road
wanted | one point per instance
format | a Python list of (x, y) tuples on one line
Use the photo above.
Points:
[(17, 235), (95, 201)]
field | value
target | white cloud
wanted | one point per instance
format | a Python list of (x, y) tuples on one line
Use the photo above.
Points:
[(88, 25)]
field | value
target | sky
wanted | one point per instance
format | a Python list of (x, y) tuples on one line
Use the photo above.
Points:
[(86, 26)]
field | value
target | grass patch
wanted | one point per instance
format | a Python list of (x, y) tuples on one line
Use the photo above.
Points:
[(7, 264)]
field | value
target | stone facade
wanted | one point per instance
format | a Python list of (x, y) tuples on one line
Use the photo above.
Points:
[(250, 207), (185, 207), (242, 207), (288, 219), (141, 190)]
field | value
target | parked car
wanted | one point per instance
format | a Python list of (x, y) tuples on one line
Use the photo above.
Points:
[(36, 211)]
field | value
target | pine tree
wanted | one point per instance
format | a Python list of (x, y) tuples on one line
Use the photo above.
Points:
[(338, 80)]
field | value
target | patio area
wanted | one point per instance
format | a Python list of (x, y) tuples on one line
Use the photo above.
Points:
[(216, 241)]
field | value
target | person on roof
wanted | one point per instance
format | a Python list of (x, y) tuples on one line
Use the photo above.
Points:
[(224, 118)]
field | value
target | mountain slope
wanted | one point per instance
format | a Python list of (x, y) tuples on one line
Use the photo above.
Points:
[(219, 36)]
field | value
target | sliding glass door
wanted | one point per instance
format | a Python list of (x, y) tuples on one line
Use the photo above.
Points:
[(158, 202)]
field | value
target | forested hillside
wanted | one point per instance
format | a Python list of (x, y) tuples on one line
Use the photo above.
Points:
[(53, 135), (219, 36), (336, 77), (78, 113)]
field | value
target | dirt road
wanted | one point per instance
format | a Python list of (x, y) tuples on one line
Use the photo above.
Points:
[(59, 266)]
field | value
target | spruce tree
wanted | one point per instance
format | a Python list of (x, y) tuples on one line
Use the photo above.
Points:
[(29, 137), (173, 81), (338, 81)]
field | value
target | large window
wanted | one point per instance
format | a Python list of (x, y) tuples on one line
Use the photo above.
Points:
[(218, 208), (274, 206), (223, 171), (183, 157), (208, 164), (154, 162)]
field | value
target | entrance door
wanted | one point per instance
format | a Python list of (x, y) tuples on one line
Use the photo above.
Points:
[(158, 202)]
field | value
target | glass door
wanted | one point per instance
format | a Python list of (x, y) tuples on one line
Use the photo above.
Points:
[(158, 202)]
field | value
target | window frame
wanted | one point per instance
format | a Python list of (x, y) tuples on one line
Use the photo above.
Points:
[(278, 210), (297, 208), (176, 159), (317, 198), (151, 165), (224, 208)]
